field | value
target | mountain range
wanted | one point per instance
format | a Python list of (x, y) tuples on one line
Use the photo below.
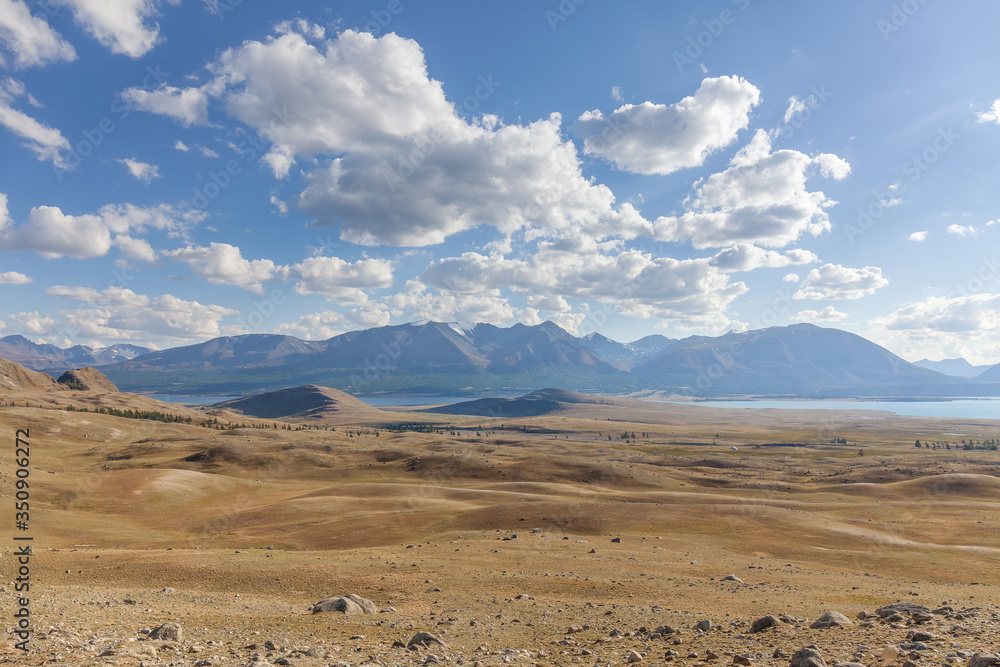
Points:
[(46, 357), (958, 367), (442, 359)]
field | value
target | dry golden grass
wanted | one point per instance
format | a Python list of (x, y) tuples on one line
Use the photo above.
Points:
[(124, 508)]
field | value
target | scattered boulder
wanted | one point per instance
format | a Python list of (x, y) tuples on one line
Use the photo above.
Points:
[(848, 664), (616, 540), (920, 636), (732, 577), (890, 653), (424, 639), (808, 657), (704, 625), (743, 660), (634, 656), (832, 619), (168, 632), (764, 623), (984, 660), (901, 608), (347, 604)]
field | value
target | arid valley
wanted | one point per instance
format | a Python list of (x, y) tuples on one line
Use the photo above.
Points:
[(568, 537)]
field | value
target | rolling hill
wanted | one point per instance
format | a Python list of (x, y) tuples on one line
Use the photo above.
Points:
[(991, 374), (535, 404), (17, 378), (308, 402), (87, 379)]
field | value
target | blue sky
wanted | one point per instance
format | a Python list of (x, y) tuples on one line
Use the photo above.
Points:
[(172, 171)]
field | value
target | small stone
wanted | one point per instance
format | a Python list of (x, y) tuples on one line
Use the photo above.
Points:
[(732, 577), (743, 660), (634, 656), (704, 625), (616, 540), (711, 655)]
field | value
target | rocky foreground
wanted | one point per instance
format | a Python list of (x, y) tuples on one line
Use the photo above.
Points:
[(100, 628)]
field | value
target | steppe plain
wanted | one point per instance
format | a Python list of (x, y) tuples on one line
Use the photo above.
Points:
[(568, 538)]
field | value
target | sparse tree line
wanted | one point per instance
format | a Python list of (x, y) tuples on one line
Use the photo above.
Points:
[(152, 415), (970, 445)]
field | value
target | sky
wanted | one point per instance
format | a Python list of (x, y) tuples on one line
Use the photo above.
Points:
[(176, 170)]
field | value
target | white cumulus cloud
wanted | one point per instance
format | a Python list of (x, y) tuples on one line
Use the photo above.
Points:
[(990, 116), (761, 198), (339, 280), (828, 314), (223, 264), (653, 138), (835, 282), (28, 39), (123, 315), (963, 231), (52, 233), (33, 322), (746, 257), (47, 143), (142, 171), (14, 278), (409, 169), (123, 26), (188, 105)]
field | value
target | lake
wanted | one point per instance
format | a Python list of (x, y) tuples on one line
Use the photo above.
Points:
[(958, 408), (192, 400)]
